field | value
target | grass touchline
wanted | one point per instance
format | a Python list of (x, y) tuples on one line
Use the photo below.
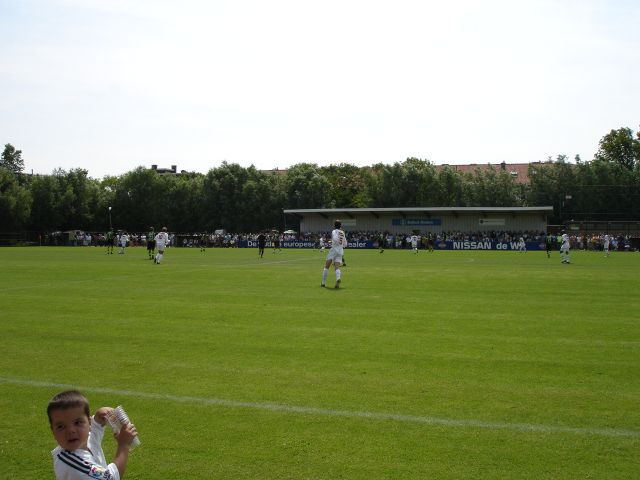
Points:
[(446, 422)]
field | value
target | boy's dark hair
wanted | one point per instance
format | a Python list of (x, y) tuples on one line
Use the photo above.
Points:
[(337, 224), (66, 400)]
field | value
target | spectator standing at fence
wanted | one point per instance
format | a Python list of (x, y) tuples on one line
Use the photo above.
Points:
[(564, 247), (338, 243)]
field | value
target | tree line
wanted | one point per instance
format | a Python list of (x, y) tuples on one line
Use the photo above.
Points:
[(243, 199)]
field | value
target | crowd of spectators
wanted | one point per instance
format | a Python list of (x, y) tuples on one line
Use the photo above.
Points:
[(79, 238), (578, 241), (391, 239), (618, 242)]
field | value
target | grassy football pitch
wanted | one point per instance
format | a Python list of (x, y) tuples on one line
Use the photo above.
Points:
[(443, 365)]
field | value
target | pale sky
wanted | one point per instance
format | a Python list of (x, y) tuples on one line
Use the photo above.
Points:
[(109, 85)]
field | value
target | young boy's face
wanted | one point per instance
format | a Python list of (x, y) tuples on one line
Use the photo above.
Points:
[(71, 428)]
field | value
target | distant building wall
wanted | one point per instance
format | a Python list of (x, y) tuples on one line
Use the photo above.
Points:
[(435, 222)]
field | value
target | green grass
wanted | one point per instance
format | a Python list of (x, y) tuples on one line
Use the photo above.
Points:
[(443, 365)]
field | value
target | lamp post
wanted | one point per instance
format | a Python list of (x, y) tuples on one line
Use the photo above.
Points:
[(563, 203), (110, 225)]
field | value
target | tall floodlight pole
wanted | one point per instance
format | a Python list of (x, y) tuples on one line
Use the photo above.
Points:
[(110, 225)]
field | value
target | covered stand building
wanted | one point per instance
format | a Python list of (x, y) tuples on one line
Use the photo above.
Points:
[(424, 219)]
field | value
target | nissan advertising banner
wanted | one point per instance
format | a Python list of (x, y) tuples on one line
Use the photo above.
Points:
[(442, 245)]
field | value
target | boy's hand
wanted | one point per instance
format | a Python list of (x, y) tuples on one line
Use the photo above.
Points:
[(127, 433), (101, 415)]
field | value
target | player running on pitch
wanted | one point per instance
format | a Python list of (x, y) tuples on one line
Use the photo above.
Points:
[(338, 243), (162, 240), (151, 243)]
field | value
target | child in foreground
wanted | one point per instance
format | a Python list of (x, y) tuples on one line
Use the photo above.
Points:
[(79, 452)]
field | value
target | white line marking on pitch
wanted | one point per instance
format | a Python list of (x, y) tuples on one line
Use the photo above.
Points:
[(276, 407)]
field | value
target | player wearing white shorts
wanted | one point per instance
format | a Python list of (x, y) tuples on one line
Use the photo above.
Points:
[(124, 239), (338, 243), (607, 240), (564, 248), (414, 243), (162, 240), (522, 246)]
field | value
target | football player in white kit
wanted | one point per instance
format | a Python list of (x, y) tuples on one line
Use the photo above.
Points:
[(338, 242), (522, 246), (607, 240), (564, 248), (123, 239), (414, 243), (162, 240)]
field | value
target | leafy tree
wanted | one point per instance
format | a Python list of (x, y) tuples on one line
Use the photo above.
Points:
[(605, 190), (385, 188), (140, 200), (15, 202), (264, 198), (76, 198), (184, 195), (46, 214), (235, 198), (418, 182), (306, 187), (11, 159), (105, 197), (506, 190), (479, 188), (542, 189), (411, 183), (346, 186), (451, 188), (620, 147)]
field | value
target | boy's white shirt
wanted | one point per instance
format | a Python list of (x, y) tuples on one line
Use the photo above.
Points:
[(83, 464)]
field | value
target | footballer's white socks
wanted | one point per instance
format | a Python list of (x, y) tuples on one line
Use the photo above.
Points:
[(325, 272), (159, 257), (337, 274)]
